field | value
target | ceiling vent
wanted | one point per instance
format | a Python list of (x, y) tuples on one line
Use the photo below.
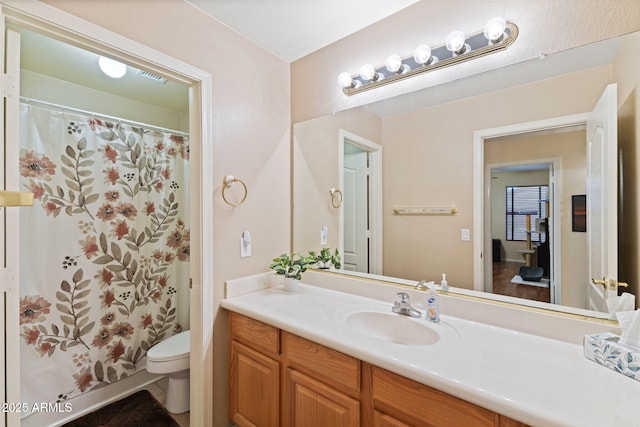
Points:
[(151, 76)]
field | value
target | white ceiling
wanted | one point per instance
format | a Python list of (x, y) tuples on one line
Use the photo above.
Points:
[(291, 29), (53, 58)]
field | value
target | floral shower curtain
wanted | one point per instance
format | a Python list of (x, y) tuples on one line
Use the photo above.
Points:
[(104, 250)]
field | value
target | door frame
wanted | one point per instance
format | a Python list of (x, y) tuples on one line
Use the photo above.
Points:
[(482, 245), (375, 195), (74, 30)]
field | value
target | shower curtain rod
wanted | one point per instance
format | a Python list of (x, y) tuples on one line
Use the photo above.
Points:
[(51, 105)]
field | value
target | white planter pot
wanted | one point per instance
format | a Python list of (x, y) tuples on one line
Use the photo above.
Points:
[(291, 284)]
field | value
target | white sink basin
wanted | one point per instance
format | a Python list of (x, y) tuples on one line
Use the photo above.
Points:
[(394, 328)]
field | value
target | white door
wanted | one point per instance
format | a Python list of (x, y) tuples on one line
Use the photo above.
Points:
[(356, 212), (9, 247), (602, 202)]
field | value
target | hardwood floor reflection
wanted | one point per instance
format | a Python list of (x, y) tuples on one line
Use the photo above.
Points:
[(504, 271)]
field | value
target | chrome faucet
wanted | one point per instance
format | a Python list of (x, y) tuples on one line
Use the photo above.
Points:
[(422, 284), (402, 305)]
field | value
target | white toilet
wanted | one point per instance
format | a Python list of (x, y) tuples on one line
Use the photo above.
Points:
[(171, 357)]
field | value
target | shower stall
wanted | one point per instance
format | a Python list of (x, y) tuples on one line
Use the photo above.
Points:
[(104, 251)]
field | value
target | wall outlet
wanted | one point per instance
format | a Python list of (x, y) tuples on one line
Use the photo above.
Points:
[(465, 234)]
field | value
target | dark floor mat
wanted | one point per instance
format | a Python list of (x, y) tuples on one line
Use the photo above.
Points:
[(138, 410)]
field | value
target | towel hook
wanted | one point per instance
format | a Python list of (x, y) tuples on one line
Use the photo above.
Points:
[(335, 201), (227, 182)]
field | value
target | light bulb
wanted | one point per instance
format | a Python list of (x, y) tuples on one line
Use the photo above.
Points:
[(112, 68), (422, 55), (345, 80), (456, 42), (367, 72), (394, 63), (494, 29)]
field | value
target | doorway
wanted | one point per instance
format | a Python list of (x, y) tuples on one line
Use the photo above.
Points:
[(360, 234), (521, 195), (35, 15), (596, 180), (561, 184)]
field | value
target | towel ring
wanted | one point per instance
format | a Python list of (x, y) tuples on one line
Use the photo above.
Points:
[(227, 182), (333, 192)]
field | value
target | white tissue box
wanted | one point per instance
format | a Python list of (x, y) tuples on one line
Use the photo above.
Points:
[(605, 350)]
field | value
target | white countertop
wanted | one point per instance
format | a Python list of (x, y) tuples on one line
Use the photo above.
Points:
[(535, 380)]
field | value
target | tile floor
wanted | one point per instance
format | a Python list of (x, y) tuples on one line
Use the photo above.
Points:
[(159, 391)]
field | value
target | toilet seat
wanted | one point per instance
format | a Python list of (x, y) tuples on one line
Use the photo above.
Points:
[(175, 347), (171, 355)]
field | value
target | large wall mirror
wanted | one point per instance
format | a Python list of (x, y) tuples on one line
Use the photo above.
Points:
[(481, 176)]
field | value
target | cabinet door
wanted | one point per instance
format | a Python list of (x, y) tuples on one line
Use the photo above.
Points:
[(413, 403), (382, 420), (312, 403), (254, 387), (508, 422)]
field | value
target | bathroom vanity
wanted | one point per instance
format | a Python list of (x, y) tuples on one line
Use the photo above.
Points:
[(348, 360), (274, 373)]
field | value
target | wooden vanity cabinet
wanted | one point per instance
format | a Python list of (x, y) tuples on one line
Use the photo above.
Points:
[(399, 401), (320, 384), (277, 378), (254, 373)]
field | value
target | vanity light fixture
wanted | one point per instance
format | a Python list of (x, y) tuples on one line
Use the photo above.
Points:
[(111, 67), (498, 34)]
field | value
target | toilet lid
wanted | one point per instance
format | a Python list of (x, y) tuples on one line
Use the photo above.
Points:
[(172, 348)]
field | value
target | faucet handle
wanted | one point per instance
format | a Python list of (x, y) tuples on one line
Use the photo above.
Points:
[(403, 297)]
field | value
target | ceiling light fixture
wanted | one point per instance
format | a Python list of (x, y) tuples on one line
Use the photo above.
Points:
[(111, 67), (497, 35)]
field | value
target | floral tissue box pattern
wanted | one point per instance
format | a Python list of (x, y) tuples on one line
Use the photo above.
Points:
[(605, 350)]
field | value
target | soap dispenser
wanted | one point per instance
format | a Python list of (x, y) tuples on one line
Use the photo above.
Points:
[(444, 286), (433, 311)]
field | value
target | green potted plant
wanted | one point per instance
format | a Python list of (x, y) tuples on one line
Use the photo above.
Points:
[(325, 259), (291, 267)]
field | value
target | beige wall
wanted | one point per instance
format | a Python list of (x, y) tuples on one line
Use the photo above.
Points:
[(626, 72), (570, 150), (251, 137)]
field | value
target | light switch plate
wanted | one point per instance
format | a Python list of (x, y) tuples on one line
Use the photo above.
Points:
[(245, 246), (465, 234)]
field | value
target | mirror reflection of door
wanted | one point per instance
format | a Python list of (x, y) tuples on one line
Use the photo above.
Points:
[(570, 143), (356, 208), (602, 206), (360, 235)]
